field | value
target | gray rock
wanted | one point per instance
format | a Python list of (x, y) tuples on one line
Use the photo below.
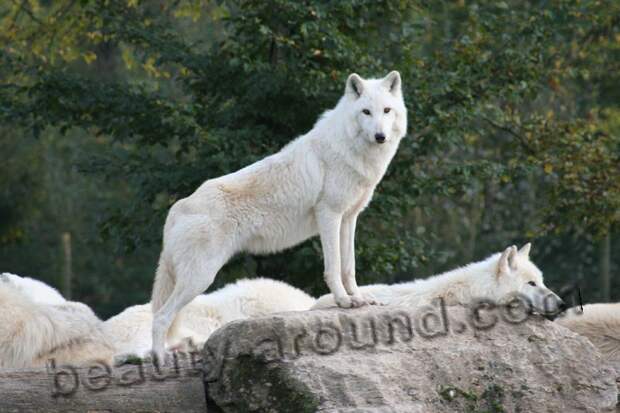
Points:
[(390, 359)]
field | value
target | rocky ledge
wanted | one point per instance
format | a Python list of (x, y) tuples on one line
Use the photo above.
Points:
[(390, 359)]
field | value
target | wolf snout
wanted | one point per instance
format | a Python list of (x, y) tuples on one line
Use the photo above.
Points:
[(559, 305), (380, 137), (562, 306)]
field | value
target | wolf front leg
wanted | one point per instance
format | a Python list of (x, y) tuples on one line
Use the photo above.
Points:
[(328, 223), (347, 251)]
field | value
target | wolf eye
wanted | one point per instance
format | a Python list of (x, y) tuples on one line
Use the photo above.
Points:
[(532, 283), (387, 110), (366, 112)]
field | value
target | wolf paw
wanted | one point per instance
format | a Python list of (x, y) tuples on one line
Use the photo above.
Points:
[(185, 345), (360, 300), (344, 302), (372, 300)]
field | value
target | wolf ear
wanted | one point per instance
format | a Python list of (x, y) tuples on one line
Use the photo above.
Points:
[(392, 82), (502, 264), (506, 262), (512, 257), (355, 85), (525, 250)]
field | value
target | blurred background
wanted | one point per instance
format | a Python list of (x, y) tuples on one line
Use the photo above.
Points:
[(110, 111)]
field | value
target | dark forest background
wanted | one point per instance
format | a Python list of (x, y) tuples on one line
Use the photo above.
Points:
[(112, 110)]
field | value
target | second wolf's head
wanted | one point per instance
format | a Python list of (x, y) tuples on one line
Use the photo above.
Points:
[(515, 273), (376, 109), (37, 291)]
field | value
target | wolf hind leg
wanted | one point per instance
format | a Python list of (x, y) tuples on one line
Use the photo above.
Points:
[(194, 276)]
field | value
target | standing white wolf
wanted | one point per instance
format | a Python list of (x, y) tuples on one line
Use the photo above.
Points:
[(317, 184), (497, 278)]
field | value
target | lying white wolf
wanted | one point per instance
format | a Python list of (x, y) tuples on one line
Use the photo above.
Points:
[(496, 278), (601, 324), (246, 298), (37, 324), (36, 290), (317, 184)]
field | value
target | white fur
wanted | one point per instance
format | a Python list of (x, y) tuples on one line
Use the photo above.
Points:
[(33, 332), (317, 184), (131, 329), (601, 324), (496, 278), (37, 291)]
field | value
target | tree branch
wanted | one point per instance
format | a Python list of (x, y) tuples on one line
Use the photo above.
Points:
[(22, 7), (508, 130)]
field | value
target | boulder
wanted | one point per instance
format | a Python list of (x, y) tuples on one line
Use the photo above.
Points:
[(391, 359)]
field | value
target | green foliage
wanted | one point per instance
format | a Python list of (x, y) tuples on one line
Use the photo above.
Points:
[(514, 121)]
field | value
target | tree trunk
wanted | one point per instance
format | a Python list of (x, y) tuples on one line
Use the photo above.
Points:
[(103, 389), (67, 271), (605, 252)]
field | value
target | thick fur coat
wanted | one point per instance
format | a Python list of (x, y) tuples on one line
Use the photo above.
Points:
[(317, 184), (496, 278), (38, 324), (246, 298), (601, 324), (35, 326)]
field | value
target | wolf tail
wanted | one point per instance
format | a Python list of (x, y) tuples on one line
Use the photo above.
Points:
[(163, 286), (162, 290)]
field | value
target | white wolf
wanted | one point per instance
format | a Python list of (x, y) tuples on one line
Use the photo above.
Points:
[(601, 324), (496, 278), (246, 298), (317, 184), (37, 291), (38, 324)]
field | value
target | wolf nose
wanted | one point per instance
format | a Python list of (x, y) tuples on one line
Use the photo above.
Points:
[(379, 137), (562, 306)]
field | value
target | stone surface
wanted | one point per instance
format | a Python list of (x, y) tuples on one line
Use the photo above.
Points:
[(387, 359)]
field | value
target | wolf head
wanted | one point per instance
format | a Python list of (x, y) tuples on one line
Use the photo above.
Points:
[(376, 108), (37, 291), (517, 274)]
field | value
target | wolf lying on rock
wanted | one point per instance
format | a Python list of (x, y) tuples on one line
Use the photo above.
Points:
[(37, 324), (497, 278)]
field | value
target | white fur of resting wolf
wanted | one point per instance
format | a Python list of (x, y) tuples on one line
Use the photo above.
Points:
[(131, 329), (495, 278), (32, 332), (601, 324), (36, 290)]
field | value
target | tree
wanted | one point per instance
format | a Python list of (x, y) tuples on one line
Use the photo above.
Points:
[(512, 115)]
